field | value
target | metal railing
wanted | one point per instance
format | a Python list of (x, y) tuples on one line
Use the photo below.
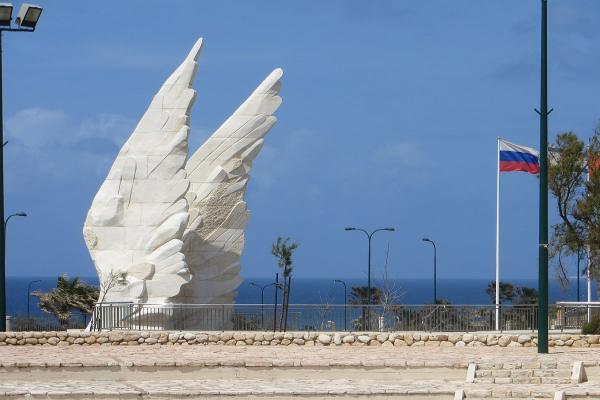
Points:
[(46, 323), (335, 317), (573, 315)]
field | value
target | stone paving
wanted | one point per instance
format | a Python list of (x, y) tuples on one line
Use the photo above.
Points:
[(313, 368), (220, 355)]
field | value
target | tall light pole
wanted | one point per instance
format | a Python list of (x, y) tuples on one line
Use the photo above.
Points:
[(543, 112), (26, 21), (262, 299), (29, 294), (369, 236), (345, 302), (434, 269)]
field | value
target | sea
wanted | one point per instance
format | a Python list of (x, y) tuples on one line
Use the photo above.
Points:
[(319, 291)]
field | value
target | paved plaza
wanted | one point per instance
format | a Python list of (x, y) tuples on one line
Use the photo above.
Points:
[(216, 371)]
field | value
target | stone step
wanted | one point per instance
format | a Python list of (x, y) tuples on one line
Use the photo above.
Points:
[(282, 389), (523, 373), (531, 380), (525, 365), (524, 376)]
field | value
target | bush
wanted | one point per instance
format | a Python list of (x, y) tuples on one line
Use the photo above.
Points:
[(591, 328)]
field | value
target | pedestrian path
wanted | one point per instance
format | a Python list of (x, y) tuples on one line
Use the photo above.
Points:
[(215, 372)]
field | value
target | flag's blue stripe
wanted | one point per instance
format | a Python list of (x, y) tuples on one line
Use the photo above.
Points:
[(517, 156)]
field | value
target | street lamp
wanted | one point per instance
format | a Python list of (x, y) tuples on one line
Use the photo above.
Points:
[(345, 303), (369, 236), (26, 21), (29, 293), (434, 269), (262, 299), (19, 214)]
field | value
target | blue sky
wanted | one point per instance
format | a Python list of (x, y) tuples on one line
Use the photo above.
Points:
[(390, 115)]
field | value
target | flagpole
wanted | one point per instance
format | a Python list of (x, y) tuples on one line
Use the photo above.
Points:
[(589, 287), (589, 266), (498, 236)]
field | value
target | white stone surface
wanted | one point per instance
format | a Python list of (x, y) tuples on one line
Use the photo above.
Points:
[(218, 172), (578, 374), (175, 226), (472, 368)]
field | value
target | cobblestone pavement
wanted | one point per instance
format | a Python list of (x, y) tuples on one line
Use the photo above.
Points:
[(295, 387), (262, 356), (315, 385)]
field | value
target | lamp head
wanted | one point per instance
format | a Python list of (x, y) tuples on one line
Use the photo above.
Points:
[(29, 15), (349, 229), (5, 14), (390, 229), (426, 240), (21, 214)]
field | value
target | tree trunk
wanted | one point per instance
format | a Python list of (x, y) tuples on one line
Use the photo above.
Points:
[(283, 301), (287, 302)]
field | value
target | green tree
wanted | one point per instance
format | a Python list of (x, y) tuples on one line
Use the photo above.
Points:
[(577, 200), (67, 296), (507, 292), (360, 295), (526, 295), (512, 293), (283, 250)]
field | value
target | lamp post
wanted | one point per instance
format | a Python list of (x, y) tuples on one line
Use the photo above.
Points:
[(369, 237), (542, 345), (29, 294), (345, 303), (434, 269), (19, 214), (26, 21), (262, 300)]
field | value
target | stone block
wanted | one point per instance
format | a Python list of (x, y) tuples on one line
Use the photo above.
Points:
[(524, 339), (324, 339), (578, 374), (364, 339)]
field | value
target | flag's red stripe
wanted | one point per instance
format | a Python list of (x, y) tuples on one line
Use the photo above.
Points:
[(519, 166)]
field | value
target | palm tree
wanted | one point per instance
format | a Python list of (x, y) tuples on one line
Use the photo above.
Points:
[(360, 295), (283, 250), (68, 295)]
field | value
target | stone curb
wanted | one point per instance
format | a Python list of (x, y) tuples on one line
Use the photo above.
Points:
[(396, 339)]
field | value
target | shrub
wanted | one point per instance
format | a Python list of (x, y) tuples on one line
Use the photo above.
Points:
[(591, 328)]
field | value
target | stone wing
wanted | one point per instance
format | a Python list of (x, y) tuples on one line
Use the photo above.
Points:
[(218, 174), (137, 219)]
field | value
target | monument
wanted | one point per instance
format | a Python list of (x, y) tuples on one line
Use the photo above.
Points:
[(170, 226)]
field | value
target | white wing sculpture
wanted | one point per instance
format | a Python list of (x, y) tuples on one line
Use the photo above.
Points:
[(175, 227), (137, 219), (218, 172)]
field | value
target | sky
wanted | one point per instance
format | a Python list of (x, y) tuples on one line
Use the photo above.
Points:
[(390, 115)]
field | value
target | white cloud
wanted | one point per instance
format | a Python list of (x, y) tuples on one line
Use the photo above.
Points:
[(401, 154), (52, 144), (300, 149), (405, 161)]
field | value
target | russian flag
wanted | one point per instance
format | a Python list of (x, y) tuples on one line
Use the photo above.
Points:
[(513, 157)]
